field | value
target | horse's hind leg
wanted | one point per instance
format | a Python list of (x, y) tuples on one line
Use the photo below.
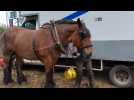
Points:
[(20, 76), (8, 71)]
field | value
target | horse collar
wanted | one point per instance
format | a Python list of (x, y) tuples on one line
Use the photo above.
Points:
[(56, 37)]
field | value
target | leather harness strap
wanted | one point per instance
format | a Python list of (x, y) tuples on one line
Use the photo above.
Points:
[(34, 46), (55, 33), (56, 37), (87, 46)]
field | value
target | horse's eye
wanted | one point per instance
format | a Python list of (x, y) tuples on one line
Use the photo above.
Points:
[(82, 34)]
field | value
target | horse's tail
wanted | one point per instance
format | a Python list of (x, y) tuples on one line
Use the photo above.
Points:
[(3, 28)]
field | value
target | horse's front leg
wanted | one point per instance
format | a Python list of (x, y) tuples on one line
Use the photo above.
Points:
[(49, 62), (49, 78), (8, 71), (90, 73), (78, 80), (20, 76)]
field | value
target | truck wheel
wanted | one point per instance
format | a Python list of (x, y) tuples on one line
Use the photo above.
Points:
[(121, 76)]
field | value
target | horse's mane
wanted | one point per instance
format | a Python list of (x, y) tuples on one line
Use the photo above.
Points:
[(65, 21), (62, 21)]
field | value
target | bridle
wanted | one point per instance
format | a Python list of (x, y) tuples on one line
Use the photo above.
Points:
[(83, 36)]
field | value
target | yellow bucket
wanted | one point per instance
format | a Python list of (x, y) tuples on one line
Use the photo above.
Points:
[(70, 74)]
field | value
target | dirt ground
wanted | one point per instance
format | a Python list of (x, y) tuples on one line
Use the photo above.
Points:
[(35, 78)]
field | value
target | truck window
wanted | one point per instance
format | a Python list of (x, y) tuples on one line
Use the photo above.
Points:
[(29, 25), (30, 22)]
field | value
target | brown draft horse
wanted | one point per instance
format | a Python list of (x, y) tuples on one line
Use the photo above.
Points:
[(41, 45)]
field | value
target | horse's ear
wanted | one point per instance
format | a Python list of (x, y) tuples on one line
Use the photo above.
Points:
[(79, 22)]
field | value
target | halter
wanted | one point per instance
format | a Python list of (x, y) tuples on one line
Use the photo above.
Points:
[(83, 35), (82, 55)]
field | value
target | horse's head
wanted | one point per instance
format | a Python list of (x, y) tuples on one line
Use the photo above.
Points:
[(81, 38), (75, 32)]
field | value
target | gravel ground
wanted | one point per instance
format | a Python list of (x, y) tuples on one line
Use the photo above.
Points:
[(35, 78)]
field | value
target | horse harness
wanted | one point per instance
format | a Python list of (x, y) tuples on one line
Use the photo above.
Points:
[(54, 33), (83, 35)]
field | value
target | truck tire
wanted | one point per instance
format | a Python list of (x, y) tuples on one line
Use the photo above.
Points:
[(121, 76)]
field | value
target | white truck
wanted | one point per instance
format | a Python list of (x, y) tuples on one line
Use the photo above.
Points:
[(112, 35)]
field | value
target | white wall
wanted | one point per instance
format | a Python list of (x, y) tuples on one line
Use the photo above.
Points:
[(116, 25), (49, 15), (8, 17), (45, 16)]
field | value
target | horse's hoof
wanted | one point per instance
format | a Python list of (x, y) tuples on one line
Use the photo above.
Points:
[(50, 85), (20, 80), (8, 81)]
